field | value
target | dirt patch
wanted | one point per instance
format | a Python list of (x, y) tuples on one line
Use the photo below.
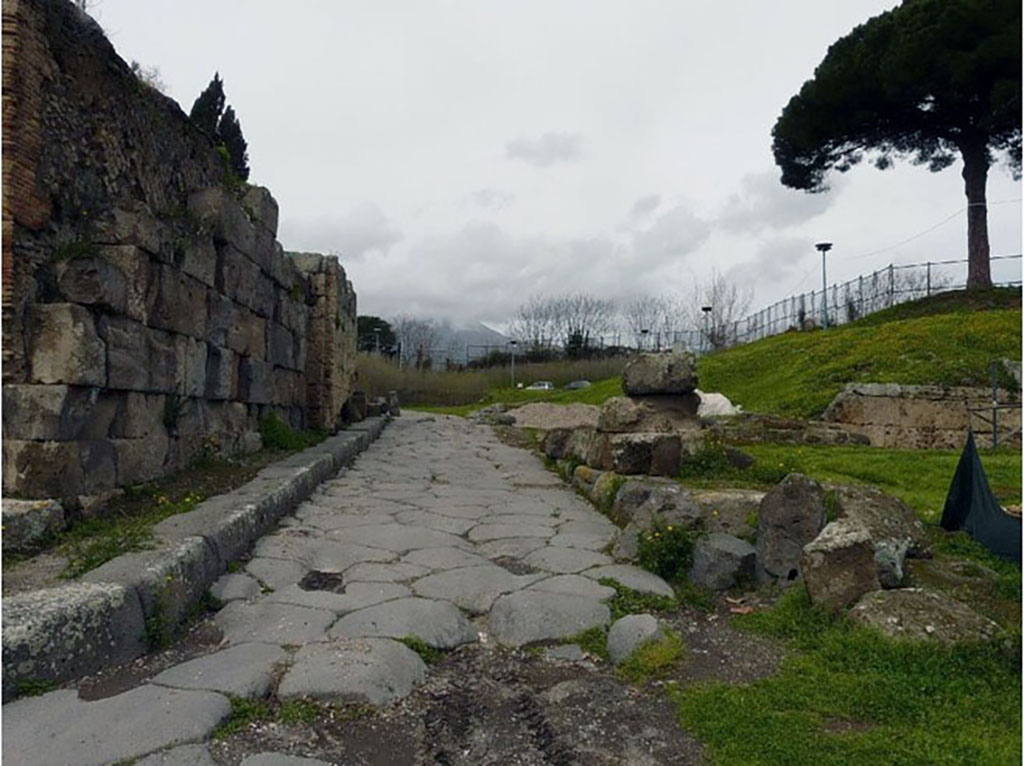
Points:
[(547, 416)]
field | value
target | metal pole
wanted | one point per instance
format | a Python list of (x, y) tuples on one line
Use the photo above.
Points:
[(892, 286), (995, 405), (928, 279), (513, 347), (824, 294)]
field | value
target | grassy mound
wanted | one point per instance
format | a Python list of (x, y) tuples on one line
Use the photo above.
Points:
[(942, 340)]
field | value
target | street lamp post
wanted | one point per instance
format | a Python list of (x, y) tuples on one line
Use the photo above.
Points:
[(707, 332), (512, 345), (376, 335), (824, 247), (643, 338)]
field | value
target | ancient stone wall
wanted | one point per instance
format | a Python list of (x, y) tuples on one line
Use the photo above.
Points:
[(933, 417), (149, 312)]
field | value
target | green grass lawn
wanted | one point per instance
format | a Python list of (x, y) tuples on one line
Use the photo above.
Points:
[(848, 695), (799, 373), (920, 478), (594, 394)]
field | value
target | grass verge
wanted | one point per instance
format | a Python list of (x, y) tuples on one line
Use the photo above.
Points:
[(849, 695), (654, 660)]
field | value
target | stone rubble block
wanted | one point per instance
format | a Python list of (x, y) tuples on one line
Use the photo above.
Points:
[(838, 566), (886, 518), (371, 671), (43, 469), (922, 615), (673, 373), (790, 516), (531, 615), (59, 728), (65, 632), (244, 670), (629, 633), (27, 522), (721, 561), (438, 623)]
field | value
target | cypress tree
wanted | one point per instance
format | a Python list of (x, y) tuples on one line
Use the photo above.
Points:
[(207, 108), (229, 133)]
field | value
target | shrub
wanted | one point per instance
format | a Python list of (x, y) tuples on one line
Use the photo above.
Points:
[(666, 550)]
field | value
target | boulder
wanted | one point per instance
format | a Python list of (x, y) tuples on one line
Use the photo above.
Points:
[(644, 501), (722, 561), (889, 555), (921, 614), (886, 518), (629, 633), (838, 566), (555, 443), (790, 516), (584, 478), (673, 373), (729, 510), (655, 454), (26, 522), (620, 414)]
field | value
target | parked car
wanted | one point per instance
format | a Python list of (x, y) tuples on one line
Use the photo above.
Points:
[(541, 385), (577, 385)]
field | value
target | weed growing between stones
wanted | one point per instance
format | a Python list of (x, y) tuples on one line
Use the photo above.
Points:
[(277, 434), (592, 641), (32, 687), (78, 248), (847, 694), (655, 659), (427, 653), (629, 601), (244, 713), (667, 550), (711, 463)]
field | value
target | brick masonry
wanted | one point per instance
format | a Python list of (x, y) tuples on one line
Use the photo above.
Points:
[(149, 311)]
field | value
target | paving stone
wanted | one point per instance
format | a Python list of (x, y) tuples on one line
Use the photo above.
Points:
[(438, 623), (565, 560), (288, 545), (366, 670), (399, 538), (568, 652), (588, 541), (235, 586), (281, 759), (595, 525), (330, 519), (245, 670), (183, 755), (574, 585), (59, 728), (332, 556), (515, 547), (395, 572), (443, 558), (276, 573), (632, 577), (356, 596), (486, 532), (282, 624), (629, 633), (530, 519), (530, 615), (457, 511), (473, 588), (436, 521)]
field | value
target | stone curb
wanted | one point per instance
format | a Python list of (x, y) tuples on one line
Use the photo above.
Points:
[(58, 634)]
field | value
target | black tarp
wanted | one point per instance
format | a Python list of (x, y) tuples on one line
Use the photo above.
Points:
[(971, 506)]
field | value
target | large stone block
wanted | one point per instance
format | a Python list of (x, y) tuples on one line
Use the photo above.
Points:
[(255, 381), (64, 346), (237, 276), (93, 282), (27, 522), (220, 317), (135, 226), (922, 615), (197, 257), (247, 334), (722, 561), (263, 296), (620, 414), (140, 358), (280, 346), (140, 415), (138, 271), (42, 469), (221, 373), (838, 566), (262, 208), (656, 454), (140, 460), (222, 215), (673, 373), (180, 305), (57, 412), (99, 465), (290, 310), (194, 378), (888, 519), (791, 515)]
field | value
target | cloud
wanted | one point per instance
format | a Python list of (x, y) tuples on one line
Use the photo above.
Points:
[(764, 203), (645, 206), (672, 235), (492, 199), (777, 261), (547, 150), (364, 229)]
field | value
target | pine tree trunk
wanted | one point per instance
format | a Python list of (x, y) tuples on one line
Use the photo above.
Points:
[(976, 162)]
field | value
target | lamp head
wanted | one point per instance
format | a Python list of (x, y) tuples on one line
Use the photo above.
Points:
[(823, 247)]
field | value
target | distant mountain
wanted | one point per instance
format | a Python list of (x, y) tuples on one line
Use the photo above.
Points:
[(464, 342)]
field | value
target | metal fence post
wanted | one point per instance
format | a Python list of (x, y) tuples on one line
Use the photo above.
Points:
[(892, 285), (928, 278)]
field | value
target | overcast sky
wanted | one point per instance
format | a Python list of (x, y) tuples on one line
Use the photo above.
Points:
[(461, 156)]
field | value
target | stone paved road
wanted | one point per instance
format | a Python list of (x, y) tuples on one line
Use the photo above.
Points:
[(438, 532)]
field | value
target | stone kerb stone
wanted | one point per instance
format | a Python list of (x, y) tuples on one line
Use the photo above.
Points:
[(62, 633)]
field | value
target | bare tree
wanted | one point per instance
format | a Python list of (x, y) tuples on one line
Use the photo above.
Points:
[(416, 339), (581, 318), (534, 323), (149, 75), (727, 302)]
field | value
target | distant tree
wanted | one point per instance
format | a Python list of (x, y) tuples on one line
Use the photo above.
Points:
[(148, 75), (416, 340), (372, 330), (728, 302), (229, 133), (207, 108), (928, 80)]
